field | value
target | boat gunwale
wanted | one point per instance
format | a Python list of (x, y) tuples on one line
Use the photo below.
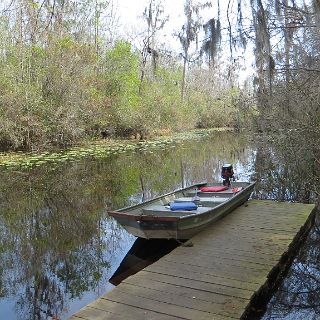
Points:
[(140, 217)]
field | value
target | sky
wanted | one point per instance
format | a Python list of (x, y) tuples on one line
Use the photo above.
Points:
[(130, 14), (130, 18), (131, 11)]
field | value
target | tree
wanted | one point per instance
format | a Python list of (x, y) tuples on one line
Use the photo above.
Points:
[(263, 56), (189, 34), (154, 16)]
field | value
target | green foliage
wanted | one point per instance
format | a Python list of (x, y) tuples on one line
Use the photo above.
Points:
[(122, 79), (51, 98), (21, 114), (64, 91), (161, 101), (216, 112)]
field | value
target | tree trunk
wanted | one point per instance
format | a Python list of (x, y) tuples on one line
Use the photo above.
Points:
[(183, 83)]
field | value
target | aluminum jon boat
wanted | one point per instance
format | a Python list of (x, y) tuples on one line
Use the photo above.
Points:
[(183, 213)]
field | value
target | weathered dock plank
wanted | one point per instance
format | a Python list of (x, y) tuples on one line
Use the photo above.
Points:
[(217, 276)]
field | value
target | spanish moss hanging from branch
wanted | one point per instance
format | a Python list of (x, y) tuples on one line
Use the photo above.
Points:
[(212, 41)]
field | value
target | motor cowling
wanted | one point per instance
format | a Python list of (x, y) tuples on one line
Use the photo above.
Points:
[(227, 174)]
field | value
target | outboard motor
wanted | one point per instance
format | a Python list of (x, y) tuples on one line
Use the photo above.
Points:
[(227, 174)]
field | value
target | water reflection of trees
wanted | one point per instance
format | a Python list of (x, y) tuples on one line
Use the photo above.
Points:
[(298, 295), (56, 240), (287, 169), (197, 160)]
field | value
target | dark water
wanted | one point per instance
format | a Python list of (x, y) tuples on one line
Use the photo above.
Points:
[(288, 169), (59, 248)]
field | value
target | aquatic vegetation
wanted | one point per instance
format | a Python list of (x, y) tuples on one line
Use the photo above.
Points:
[(97, 150)]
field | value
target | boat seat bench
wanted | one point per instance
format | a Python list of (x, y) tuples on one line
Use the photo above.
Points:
[(192, 193), (158, 209), (202, 199)]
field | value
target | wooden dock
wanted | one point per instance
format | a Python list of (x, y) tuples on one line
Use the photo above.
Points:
[(221, 273)]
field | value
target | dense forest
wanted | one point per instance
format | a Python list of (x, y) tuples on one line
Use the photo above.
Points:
[(68, 75)]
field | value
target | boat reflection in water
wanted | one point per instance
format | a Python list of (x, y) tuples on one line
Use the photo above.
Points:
[(142, 253)]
